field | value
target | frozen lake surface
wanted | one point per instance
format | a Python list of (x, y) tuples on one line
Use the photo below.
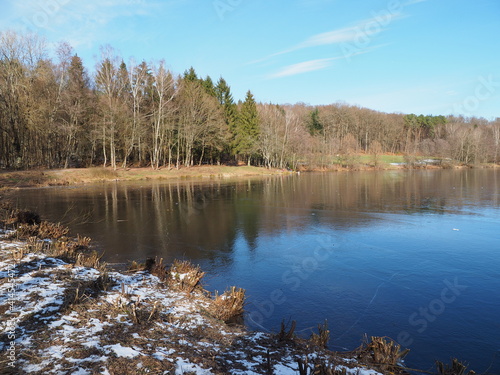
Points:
[(413, 255)]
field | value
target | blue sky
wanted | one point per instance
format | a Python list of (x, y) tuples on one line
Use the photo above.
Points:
[(409, 56)]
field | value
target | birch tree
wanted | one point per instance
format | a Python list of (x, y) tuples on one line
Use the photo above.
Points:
[(164, 87)]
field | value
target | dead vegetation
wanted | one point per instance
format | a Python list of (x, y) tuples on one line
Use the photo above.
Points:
[(50, 238), (101, 173), (184, 276), (10, 217), (456, 368), (228, 305), (79, 292), (382, 352), (43, 230), (285, 333), (321, 338)]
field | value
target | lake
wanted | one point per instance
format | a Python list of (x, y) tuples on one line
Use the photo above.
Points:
[(413, 255)]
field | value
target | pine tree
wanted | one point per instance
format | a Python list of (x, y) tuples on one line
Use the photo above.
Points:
[(247, 129)]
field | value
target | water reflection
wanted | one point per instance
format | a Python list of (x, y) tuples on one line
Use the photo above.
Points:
[(191, 218)]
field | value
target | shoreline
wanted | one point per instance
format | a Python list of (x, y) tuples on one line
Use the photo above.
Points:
[(11, 180), (81, 176)]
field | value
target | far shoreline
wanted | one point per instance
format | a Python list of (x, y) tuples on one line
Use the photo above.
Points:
[(82, 176), (35, 178)]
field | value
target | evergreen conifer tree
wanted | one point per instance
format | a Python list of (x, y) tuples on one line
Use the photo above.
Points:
[(247, 129), (190, 75), (209, 87)]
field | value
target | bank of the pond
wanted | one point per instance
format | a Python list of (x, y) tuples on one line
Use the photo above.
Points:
[(76, 176)]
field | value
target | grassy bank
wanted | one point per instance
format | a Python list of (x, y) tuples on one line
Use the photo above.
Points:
[(59, 177), (76, 176)]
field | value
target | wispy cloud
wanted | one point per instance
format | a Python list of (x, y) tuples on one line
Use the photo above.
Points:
[(313, 65), (81, 22), (358, 33), (88, 24), (303, 67), (355, 38)]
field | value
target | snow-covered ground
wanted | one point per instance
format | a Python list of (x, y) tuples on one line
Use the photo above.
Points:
[(62, 319)]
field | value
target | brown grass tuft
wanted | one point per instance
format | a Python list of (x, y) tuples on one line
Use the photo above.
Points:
[(228, 305), (383, 352), (44, 230), (185, 276), (456, 368), (321, 338), (157, 268)]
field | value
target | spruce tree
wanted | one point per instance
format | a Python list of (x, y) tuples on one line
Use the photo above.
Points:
[(190, 75), (76, 103), (209, 87), (223, 95), (247, 129), (314, 124)]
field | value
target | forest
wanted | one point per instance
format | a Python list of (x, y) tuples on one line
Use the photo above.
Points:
[(55, 114)]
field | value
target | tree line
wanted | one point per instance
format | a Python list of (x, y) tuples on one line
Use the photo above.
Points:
[(54, 114)]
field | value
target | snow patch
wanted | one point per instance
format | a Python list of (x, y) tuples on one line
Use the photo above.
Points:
[(123, 351)]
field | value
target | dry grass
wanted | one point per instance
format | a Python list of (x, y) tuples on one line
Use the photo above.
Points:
[(321, 338), (12, 217), (383, 352), (76, 251), (81, 292), (135, 266), (20, 179), (286, 334), (101, 173), (44, 230), (456, 368), (228, 305), (157, 268), (185, 276)]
